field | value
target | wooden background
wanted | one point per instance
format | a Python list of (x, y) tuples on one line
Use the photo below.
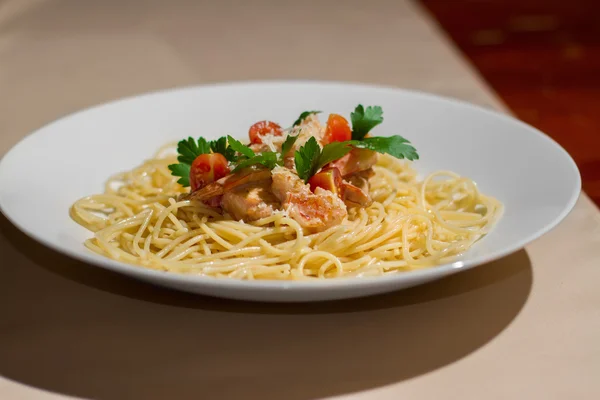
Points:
[(543, 58)]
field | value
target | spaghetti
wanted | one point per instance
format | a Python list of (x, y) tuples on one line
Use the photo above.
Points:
[(144, 218)]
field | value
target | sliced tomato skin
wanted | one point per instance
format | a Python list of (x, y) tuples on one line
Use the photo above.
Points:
[(261, 128), (208, 168), (328, 179), (337, 130)]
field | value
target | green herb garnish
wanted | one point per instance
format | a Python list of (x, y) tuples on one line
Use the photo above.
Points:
[(236, 145), (189, 149), (310, 158), (181, 170), (268, 159), (220, 146), (364, 120), (396, 146), (287, 145)]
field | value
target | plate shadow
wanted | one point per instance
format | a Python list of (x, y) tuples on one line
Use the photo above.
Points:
[(76, 329)]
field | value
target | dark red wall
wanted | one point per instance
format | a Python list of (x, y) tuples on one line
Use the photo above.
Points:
[(543, 58)]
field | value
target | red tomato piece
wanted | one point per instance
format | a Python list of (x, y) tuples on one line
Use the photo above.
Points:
[(261, 128), (328, 179), (338, 129), (206, 169)]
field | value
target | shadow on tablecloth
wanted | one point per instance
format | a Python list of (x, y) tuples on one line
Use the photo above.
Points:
[(79, 330)]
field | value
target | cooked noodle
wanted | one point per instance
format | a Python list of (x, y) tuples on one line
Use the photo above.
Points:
[(140, 220)]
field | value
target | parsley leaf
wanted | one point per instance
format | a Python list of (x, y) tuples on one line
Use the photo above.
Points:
[(333, 151), (189, 149), (396, 146), (304, 115), (310, 158), (183, 172), (236, 145), (364, 120), (220, 146), (287, 145), (306, 159), (268, 159)]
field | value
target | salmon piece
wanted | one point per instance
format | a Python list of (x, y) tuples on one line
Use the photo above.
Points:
[(356, 160), (286, 181), (315, 212), (366, 174), (356, 193), (229, 182), (244, 195), (359, 181), (251, 201)]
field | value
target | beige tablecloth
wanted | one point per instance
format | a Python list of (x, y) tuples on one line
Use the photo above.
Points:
[(525, 327)]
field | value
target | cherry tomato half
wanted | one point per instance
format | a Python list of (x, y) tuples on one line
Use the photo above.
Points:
[(206, 169), (338, 129), (262, 128)]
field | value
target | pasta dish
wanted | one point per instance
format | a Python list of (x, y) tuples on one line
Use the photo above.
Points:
[(311, 201)]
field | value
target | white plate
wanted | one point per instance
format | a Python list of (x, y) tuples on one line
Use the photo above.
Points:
[(42, 175)]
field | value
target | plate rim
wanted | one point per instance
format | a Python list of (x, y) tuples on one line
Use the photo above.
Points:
[(313, 285)]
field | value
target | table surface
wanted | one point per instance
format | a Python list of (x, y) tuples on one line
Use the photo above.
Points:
[(526, 326)]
